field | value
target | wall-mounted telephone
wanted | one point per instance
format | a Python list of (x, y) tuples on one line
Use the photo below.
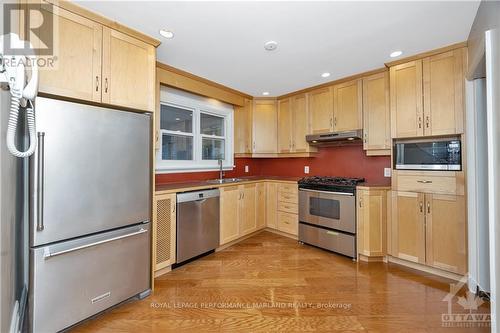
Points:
[(13, 73)]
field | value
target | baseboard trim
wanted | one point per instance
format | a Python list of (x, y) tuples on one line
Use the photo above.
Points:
[(281, 233), (425, 268), (236, 241), (162, 271), (365, 258)]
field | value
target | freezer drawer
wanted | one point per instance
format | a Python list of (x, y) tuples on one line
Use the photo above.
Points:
[(70, 281), (328, 239)]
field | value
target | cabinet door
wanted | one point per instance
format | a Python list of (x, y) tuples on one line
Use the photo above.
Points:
[(321, 110), (347, 110), (243, 128), (360, 217), (285, 126), (272, 205), (301, 126), (229, 214), (446, 232), (248, 221), (443, 79), (164, 226), (78, 47), (128, 71), (261, 205), (265, 127), (376, 113), (408, 226), (406, 100)]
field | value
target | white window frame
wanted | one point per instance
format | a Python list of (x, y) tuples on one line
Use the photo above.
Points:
[(198, 105)]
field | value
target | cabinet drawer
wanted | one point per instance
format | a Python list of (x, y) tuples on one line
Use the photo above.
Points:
[(288, 222), (288, 188), (288, 207), (429, 183), (288, 197)]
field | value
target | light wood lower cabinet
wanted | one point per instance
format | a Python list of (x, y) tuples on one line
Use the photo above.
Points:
[(372, 222), (429, 229), (272, 205), (248, 220), (287, 207), (164, 230), (261, 200), (230, 197)]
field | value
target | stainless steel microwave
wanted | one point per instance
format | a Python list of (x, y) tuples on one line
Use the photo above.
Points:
[(435, 154)]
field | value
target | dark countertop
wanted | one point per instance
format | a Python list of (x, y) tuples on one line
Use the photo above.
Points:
[(202, 184)]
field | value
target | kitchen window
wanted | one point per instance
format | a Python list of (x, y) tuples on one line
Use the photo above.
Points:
[(194, 133)]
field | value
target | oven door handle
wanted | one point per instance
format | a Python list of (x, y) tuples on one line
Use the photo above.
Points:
[(327, 192)]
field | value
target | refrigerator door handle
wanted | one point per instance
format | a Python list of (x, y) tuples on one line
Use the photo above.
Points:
[(47, 254), (40, 181)]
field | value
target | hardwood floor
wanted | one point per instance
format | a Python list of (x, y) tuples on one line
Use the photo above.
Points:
[(269, 283)]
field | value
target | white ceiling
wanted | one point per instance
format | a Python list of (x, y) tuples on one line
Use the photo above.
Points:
[(223, 41)]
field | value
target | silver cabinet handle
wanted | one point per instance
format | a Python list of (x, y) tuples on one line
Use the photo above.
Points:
[(48, 254), (428, 207), (424, 181), (40, 180), (421, 207), (106, 85), (97, 83)]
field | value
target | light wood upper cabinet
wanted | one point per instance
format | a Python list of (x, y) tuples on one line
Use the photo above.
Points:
[(427, 96), (347, 109), (99, 64), (265, 127), (248, 221), (272, 205), (446, 240), (321, 110), (229, 214), (372, 222), (77, 71), (301, 125), (164, 227), (261, 201), (376, 114), (128, 71), (443, 80), (408, 230), (406, 100), (285, 126), (243, 128)]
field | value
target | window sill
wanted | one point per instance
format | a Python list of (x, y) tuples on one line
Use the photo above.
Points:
[(191, 169)]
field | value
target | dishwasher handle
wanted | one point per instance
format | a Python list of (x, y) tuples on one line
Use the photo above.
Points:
[(197, 196)]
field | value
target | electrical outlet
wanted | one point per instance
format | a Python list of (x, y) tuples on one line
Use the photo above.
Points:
[(306, 169), (246, 168), (387, 172)]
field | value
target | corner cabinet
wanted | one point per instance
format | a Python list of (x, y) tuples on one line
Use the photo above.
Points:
[(427, 96), (164, 227), (376, 115), (293, 120), (371, 215), (265, 127), (98, 64)]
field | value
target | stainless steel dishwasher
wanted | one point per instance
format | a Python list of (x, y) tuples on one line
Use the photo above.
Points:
[(197, 223)]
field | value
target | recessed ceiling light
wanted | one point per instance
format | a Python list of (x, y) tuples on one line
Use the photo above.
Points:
[(265, 93), (271, 45), (396, 54), (167, 33), (177, 119), (326, 74)]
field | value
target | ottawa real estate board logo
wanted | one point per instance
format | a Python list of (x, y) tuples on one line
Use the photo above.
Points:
[(472, 316)]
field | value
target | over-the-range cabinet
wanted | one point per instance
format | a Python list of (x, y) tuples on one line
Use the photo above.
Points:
[(90, 200)]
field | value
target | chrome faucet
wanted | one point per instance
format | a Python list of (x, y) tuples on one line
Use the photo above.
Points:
[(221, 173)]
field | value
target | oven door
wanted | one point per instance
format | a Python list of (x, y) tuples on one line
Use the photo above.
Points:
[(333, 210)]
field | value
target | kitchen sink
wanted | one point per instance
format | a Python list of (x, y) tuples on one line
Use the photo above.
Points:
[(224, 180)]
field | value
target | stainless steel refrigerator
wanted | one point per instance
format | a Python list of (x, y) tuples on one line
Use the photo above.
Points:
[(90, 199)]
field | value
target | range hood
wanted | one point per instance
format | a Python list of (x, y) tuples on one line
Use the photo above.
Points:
[(335, 138)]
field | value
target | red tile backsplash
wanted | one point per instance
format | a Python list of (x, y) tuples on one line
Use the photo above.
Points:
[(348, 161)]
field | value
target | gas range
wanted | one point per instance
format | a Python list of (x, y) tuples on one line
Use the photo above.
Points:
[(330, 184)]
